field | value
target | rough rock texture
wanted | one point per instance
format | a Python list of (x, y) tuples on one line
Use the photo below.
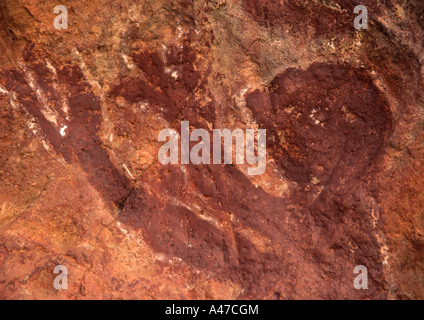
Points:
[(80, 181)]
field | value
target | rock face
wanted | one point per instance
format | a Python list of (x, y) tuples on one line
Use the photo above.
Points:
[(80, 181)]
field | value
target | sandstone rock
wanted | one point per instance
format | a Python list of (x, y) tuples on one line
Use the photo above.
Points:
[(80, 181)]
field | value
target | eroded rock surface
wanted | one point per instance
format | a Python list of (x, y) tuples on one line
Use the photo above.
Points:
[(81, 184)]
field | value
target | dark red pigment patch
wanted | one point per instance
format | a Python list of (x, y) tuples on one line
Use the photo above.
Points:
[(310, 231), (82, 142), (298, 16), (328, 113), (174, 98)]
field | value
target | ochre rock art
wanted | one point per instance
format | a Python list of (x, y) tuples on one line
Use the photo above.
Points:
[(80, 181)]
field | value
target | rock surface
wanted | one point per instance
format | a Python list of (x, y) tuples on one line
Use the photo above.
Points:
[(80, 181)]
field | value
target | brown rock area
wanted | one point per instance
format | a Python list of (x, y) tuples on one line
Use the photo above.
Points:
[(80, 180)]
